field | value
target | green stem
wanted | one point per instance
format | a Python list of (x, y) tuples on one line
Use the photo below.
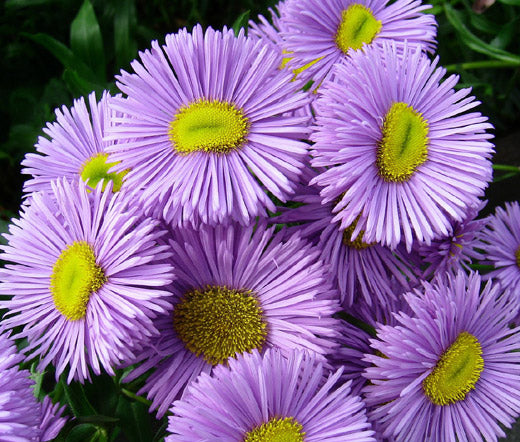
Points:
[(504, 177), (135, 397), (506, 167), (484, 64), (482, 267)]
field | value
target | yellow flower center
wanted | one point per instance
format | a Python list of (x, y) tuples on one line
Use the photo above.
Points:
[(277, 430), (208, 126), (358, 242), (75, 276), (403, 147), (517, 256), (358, 25), (456, 372), (218, 322), (96, 169)]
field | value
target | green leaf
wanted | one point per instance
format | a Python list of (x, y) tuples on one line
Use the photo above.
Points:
[(77, 399), (481, 23), (86, 433), (505, 35), (86, 41), (161, 432), (63, 54), (36, 376), (475, 43), (241, 22), (103, 394), (124, 43), (510, 2), (26, 3), (4, 228), (79, 86), (98, 419), (135, 420)]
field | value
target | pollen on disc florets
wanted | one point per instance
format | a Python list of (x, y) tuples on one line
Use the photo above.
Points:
[(210, 126), (404, 143), (218, 322), (96, 169), (277, 430), (75, 276), (357, 27), (358, 242), (347, 240), (456, 372)]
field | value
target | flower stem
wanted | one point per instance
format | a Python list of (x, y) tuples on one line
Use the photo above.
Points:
[(506, 167), (482, 267), (484, 64), (135, 397)]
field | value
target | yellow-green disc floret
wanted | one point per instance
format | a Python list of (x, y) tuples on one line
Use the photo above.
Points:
[(404, 143), (456, 372), (277, 430), (218, 322), (75, 276), (208, 126), (358, 26)]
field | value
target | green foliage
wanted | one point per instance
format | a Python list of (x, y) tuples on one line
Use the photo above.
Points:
[(484, 49)]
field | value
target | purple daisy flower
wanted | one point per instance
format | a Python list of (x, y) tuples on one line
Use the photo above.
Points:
[(501, 244), (237, 289), (362, 272), (320, 33), (271, 35), (405, 158), (76, 147), (450, 370), (354, 336), (86, 275), (349, 356), (209, 127), (455, 251), (260, 398), (22, 417), (51, 421), (269, 31)]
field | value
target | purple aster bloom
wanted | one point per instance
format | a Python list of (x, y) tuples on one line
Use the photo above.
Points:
[(349, 356), (455, 251), (19, 409), (383, 313), (354, 337), (362, 272), (51, 421), (209, 127), (320, 33), (22, 417), (405, 157), (501, 245), (237, 289), (86, 275), (269, 31), (450, 370), (260, 398), (76, 147)]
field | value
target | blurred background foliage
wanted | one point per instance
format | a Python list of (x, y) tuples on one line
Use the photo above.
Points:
[(56, 50)]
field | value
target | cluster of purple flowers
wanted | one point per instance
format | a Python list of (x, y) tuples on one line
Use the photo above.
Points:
[(150, 237)]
